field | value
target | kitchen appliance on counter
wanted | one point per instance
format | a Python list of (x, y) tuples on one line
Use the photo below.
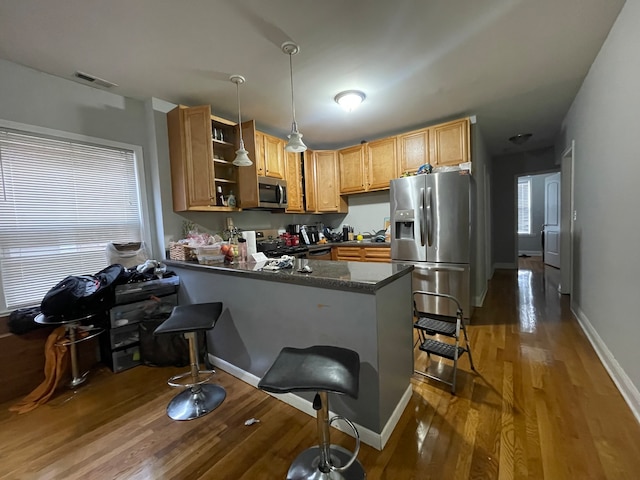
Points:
[(431, 228), (310, 234), (273, 249), (276, 247)]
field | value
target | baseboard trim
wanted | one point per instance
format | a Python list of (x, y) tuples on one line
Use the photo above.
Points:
[(478, 301), (626, 387), (531, 253), (371, 438)]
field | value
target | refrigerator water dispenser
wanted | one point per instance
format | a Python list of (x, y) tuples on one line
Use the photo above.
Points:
[(404, 222)]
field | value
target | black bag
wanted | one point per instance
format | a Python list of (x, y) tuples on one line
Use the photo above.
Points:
[(167, 349), (80, 295), (22, 321)]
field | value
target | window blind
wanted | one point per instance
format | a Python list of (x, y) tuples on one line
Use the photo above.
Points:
[(61, 202), (524, 207)]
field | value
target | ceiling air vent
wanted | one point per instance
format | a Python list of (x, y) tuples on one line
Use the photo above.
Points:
[(94, 80)]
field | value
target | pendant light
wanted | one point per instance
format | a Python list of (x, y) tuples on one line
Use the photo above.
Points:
[(295, 139), (242, 157)]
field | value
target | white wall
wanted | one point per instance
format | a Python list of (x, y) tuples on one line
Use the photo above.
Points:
[(367, 211), (481, 162), (603, 121)]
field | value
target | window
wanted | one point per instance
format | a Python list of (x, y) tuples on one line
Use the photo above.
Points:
[(524, 206), (61, 202)]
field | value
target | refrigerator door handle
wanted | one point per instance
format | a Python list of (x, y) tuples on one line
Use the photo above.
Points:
[(438, 268), (429, 218), (421, 217)]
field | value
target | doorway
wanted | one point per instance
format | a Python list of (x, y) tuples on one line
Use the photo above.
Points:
[(530, 217)]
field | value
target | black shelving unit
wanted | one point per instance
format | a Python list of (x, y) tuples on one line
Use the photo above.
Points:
[(134, 302)]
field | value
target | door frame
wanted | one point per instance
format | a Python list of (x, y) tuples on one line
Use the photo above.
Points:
[(515, 206), (567, 219)]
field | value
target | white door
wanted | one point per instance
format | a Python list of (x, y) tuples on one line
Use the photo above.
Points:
[(552, 220)]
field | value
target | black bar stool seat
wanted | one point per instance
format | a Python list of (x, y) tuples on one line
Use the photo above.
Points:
[(323, 369), (199, 397)]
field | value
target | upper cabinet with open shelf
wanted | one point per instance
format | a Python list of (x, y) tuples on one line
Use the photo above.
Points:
[(202, 148)]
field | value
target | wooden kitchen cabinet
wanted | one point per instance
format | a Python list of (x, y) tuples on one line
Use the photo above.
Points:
[(361, 254), (376, 254), (414, 150), (349, 254), (258, 157), (449, 143), (446, 144), (368, 167), (273, 152), (269, 155), (199, 162), (352, 170), (322, 185), (293, 168), (382, 164), (311, 204)]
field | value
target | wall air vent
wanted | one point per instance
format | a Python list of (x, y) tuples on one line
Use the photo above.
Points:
[(94, 80)]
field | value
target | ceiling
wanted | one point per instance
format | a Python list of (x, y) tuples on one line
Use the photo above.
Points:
[(515, 64)]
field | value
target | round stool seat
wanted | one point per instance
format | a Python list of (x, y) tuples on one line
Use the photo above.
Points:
[(317, 368)]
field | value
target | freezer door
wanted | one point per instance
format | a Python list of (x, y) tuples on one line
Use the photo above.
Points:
[(451, 279), (408, 234), (447, 220)]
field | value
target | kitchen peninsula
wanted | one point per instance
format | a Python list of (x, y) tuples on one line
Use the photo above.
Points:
[(358, 305)]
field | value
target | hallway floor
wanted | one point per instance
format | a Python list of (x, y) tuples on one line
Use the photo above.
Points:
[(541, 406)]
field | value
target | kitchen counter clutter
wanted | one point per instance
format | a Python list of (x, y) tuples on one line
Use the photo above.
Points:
[(355, 276), (355, 243), (365, 307)]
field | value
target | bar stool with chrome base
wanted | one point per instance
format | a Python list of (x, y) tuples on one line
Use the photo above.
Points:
[(322, 369), (72, 328), (199, 397)]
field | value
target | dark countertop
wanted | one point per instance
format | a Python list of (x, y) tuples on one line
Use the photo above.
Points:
[(354, 276)]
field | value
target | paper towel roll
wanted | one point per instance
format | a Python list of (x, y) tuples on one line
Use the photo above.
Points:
[(250, 236)]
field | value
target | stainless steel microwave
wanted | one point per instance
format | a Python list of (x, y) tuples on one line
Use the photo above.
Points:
[(272, 193)]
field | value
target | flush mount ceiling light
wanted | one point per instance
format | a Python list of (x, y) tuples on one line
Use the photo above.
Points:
[(350, 99), (242, 156), (295, 143), (520, 138)]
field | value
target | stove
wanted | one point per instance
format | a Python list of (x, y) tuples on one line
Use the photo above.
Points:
[(298, 252), (277, 248)]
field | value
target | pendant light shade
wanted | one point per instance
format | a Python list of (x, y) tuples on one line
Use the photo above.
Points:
[(242, 156), (295, 139)]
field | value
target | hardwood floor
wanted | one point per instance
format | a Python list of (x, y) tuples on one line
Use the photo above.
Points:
[(540, 406)]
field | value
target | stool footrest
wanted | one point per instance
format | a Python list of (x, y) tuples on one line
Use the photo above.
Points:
[(178, 380)]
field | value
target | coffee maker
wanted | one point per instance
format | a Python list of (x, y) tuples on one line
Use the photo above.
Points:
[(312, 233)]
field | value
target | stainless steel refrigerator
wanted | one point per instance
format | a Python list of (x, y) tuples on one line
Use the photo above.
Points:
[(431, 228)]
